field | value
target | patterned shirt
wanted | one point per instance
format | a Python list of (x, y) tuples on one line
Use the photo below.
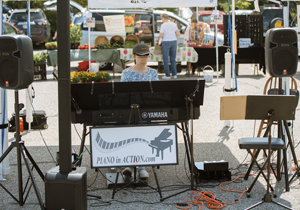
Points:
[(128, 75)]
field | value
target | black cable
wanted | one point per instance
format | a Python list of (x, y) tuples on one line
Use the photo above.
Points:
[(41, 132), (81, 141), (94, 179)]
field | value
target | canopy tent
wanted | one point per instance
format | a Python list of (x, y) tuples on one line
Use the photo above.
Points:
[(118, 4), (150, 3)]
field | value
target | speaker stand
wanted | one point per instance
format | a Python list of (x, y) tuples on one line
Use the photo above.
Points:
[(22, 152)]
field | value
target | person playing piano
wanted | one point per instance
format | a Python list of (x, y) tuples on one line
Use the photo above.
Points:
[(139, 72)]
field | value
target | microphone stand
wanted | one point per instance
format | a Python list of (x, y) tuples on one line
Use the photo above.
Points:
[(188, 139)]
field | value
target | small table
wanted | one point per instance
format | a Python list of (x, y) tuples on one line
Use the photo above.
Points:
[(100, 55)]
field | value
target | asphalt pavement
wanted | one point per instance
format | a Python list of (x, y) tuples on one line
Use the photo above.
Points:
[(213, 141)]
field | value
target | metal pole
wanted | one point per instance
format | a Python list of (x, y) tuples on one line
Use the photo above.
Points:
[(64, 87)]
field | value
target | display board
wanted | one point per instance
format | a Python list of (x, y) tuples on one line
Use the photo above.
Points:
[(133, 145)]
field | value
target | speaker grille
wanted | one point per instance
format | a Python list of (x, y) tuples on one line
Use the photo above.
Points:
[(283, 59), (8, 73)]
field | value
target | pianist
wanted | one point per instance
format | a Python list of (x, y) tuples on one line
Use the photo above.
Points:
[(139, 72)]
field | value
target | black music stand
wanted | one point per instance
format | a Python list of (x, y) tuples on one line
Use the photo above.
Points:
[(22, 152), (188, 140), (135, 115), (262, 107)]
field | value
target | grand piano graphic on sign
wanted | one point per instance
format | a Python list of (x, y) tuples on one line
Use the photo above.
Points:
[(160, 143)]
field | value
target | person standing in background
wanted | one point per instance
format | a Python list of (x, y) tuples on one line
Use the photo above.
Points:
[(186, 40), (137, 28), (169, 33)]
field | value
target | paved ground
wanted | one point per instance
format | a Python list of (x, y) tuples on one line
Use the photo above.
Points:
[(212, 141)]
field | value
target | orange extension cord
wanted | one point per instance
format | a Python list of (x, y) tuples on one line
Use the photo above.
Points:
[(209, 198)]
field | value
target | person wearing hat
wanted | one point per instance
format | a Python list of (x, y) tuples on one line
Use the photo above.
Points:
[(139, 71)]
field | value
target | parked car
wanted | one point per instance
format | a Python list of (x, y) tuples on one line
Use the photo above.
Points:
[(205, 16), (5, 11), (10, 29), (74, 7), (39, 24), (269, 14)]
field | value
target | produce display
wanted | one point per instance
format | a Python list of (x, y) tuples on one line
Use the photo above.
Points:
[(85, 47), (114, 45), (130, 44)]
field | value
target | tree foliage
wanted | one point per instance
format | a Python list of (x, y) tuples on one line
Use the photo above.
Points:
[(239, 4)]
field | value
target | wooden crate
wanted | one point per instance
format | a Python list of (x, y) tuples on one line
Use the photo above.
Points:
[(40, 72)]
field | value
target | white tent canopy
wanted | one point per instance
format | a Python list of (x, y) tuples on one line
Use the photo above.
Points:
[(150, 3)]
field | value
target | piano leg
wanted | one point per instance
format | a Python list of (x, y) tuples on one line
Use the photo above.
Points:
[(82, 143), (157, 152)]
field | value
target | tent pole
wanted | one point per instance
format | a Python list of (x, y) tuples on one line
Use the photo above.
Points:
[(217, 48)]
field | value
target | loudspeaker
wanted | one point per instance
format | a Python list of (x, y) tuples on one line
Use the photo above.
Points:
[(281, 52), (16, 62), (66, 190)]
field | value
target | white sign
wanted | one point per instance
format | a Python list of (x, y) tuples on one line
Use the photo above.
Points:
[(218, 19), (89, 22), (114, 24), (244, 42), (133, 145)]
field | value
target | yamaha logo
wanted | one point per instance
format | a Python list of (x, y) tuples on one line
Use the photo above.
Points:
[(144, 115), (154, 115)]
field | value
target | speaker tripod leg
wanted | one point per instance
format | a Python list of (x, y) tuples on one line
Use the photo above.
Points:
[(24, 155)]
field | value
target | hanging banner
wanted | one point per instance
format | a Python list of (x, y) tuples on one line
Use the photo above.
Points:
[(133, 145), (150, 3), (114, 24)]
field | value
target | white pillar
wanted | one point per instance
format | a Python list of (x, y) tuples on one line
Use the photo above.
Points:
[(28, 100), (4, 166), (227, 80)]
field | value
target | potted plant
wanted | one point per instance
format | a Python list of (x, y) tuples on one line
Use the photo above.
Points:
[(103, 76), (83, 76), (74, 78), (39, 58), (40, 65), (75, 36), (91, 76), (51, 45)]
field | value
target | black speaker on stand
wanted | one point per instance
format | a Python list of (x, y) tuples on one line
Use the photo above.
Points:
[(16, 62), (16, 72), (281, 52)]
